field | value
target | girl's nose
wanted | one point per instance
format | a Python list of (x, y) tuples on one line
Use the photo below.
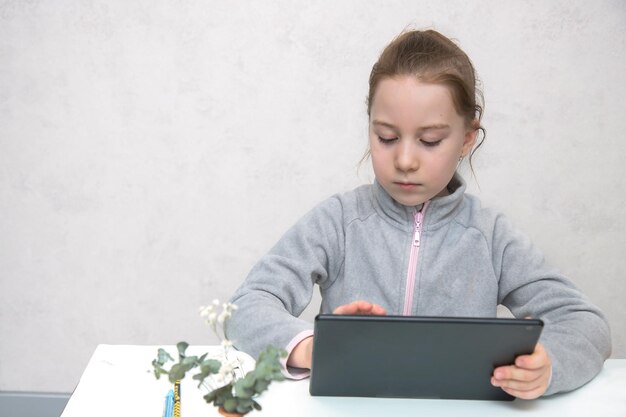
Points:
[(406, 157)]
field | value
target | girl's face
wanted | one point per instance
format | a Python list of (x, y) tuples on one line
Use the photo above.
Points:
[(416, 138)]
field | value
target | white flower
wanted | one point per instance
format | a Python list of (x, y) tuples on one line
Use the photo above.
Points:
[(205, 311), (224, 315), (226, 373), (218, 319)]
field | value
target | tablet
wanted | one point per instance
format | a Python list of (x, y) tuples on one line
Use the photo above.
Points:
[(416, 357)]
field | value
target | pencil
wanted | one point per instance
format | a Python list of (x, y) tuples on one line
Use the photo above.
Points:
[(177, 399), (169, 404)]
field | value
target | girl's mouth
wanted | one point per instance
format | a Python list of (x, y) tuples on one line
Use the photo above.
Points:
[(407, 185)]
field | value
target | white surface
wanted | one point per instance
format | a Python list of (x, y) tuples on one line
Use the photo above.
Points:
[(152, 150), (118, 382)]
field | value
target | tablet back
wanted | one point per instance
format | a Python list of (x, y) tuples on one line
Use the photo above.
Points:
[(416, 357)]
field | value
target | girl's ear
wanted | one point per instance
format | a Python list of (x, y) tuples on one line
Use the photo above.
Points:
[(470, 137)]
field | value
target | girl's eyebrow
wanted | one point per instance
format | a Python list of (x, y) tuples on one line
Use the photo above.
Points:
[(435, 126), (384, 124)]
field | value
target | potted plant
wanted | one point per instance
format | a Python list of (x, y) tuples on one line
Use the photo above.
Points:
[(230, 391)]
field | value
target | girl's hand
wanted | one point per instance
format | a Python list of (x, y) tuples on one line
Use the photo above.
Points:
[(528, 378), (301, 356), (360, 307)]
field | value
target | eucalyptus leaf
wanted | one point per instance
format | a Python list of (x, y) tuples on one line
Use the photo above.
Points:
[(210, 397), (190, 360), (208, 367), (242, 391), (245, 387), (178, 371), (218, 396), (236, 396), (182, 347), (244, 405), (212, 365), (158, 370), (163, 356), (248, 380), (262, 371), (261, 385), (230, 405)]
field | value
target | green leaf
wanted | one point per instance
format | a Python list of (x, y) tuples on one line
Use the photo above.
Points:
[(244, 406), (241, 392), (163, 356), (210, 397), (244, 388), (248, 380), (190, 361), (182, 347), (261, 385), (158, 370), (261, 370), (230, 405), (208, 367), (178, 371), (218, 396), (212, 365)]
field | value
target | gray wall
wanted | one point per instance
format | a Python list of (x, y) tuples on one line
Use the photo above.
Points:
[(151, 151)]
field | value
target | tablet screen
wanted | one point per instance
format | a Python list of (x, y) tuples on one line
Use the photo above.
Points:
[(416, 357)]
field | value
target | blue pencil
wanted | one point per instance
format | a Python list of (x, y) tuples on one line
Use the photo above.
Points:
[(168, 410)]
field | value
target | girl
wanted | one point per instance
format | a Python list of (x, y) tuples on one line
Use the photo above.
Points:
[(414, 243)]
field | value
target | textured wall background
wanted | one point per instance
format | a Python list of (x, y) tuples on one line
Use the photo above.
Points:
[(152, 151)]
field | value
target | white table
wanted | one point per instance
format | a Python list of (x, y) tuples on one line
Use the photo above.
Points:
[(118, 381)]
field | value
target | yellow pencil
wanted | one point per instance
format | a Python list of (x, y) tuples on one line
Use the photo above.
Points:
[(177, 399)]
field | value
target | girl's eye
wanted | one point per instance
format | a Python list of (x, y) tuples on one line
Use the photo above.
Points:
[(431, 144), (387, 141)]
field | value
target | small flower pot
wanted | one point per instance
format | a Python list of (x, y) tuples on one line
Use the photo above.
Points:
[(227, 414)]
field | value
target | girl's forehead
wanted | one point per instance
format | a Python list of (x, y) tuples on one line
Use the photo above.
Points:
[(407, 101)]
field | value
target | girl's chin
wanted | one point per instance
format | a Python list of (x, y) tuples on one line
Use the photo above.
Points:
[(408, 200)]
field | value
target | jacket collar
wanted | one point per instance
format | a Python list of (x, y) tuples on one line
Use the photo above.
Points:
[(440, 210)]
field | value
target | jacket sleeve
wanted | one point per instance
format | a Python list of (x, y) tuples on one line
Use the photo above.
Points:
[(280, 285), (576, 334)]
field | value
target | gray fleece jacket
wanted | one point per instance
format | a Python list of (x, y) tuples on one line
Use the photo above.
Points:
[(449, 257)]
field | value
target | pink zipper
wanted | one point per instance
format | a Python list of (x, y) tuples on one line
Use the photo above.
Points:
[(418, 217)]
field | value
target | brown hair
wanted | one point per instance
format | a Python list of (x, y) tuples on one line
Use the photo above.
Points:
[(432, 58)]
